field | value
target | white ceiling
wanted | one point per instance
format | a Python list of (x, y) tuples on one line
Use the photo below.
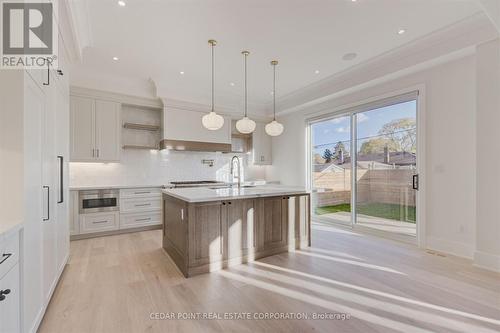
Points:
[(159, 38)]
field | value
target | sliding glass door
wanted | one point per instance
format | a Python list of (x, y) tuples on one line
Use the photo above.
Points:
[(374, 187), (386, 143), (331, 169)]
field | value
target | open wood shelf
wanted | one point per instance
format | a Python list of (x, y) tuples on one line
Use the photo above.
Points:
[(143, 127), (139, 147)]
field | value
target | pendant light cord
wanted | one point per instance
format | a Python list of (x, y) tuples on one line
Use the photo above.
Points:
[(213, 80), (246, 91), (274, 91)]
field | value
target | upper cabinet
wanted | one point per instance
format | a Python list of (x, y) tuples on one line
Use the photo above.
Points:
[(95, 130), (261, 146)]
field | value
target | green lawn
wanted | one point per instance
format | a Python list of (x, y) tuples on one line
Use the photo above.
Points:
[(386, 211)]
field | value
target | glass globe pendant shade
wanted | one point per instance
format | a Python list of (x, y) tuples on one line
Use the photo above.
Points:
[(245, 125), (274, 128), (212, 121)]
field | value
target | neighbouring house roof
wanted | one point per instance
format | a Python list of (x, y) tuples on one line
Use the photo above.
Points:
[(369, 161)]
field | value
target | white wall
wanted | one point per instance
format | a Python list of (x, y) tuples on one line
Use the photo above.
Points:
[(450, 150), (488, 155), (140, 167)]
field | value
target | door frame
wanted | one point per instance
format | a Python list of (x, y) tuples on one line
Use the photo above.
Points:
[(347, 109)]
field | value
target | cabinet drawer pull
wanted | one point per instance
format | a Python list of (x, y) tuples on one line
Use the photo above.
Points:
[(145, 192), (97, 222), (142, 205), (3, 293), (144, 219), (5, 256)]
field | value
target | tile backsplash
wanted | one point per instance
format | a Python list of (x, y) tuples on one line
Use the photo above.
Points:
[(160, 167)]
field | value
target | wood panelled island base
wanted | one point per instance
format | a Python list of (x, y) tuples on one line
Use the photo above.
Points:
[(205, 236)]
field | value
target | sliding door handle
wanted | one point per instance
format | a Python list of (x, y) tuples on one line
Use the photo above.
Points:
[(415, 182), (61, 179), (48, 203)]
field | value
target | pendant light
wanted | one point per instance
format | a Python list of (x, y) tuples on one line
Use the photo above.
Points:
[(245, 125), (274, 128), (212, 121)]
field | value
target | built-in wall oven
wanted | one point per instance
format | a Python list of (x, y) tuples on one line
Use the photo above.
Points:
[(94, 201)]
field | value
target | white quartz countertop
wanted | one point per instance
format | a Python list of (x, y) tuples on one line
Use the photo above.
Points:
[(99, 187), (208, 194)]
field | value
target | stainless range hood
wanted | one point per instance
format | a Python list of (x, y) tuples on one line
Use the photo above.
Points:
[(183, 145)]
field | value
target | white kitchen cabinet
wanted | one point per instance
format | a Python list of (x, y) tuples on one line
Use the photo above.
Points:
[(74, 223), (107, 130), (98, 222), (95, 130), (10, 308), (143, 219), (261, 146), (45, 232), (82, 129)]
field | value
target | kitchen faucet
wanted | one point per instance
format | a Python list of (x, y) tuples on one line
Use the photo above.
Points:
[(239, 170)]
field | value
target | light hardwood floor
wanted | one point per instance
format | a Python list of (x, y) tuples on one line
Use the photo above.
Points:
[(113, 284)]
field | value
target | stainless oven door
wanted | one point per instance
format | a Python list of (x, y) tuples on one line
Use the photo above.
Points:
[(95, 201)]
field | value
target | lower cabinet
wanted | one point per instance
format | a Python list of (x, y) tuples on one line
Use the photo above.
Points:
[(10, 295), (239, 225), (202, 237), (136, 220), (272, 223), (98, 222), (10, 301), (205, 233)]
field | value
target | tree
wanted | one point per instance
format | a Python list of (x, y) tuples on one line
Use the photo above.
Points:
[(397, 135), (328, 155), (403, 133), (338, 147), (377, 145)]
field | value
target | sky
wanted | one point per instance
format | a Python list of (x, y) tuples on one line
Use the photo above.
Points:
[(329, 132)]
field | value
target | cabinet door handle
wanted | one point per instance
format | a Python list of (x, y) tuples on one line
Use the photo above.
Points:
[(142, 205), (61, 179), (5, 256), (93, 152), (48, 73), (97, 153), (48, 203), (144, 219), (182, 214), (98, 222), (145, 192)]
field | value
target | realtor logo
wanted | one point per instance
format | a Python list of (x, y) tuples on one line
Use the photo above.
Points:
[(28, 34)]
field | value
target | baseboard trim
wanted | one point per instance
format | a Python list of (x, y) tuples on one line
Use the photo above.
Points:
[(115, 232), (450, 247), (487, 261), (41, 314)]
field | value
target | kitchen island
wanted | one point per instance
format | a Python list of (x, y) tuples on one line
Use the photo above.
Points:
[(206, 229)]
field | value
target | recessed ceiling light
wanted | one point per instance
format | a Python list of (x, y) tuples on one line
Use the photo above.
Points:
[(115, 58), (401, 31), (231, 84), (316, 71), (349, 56), (272, 92), (353, 0), (181, 72), (121, 3)]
